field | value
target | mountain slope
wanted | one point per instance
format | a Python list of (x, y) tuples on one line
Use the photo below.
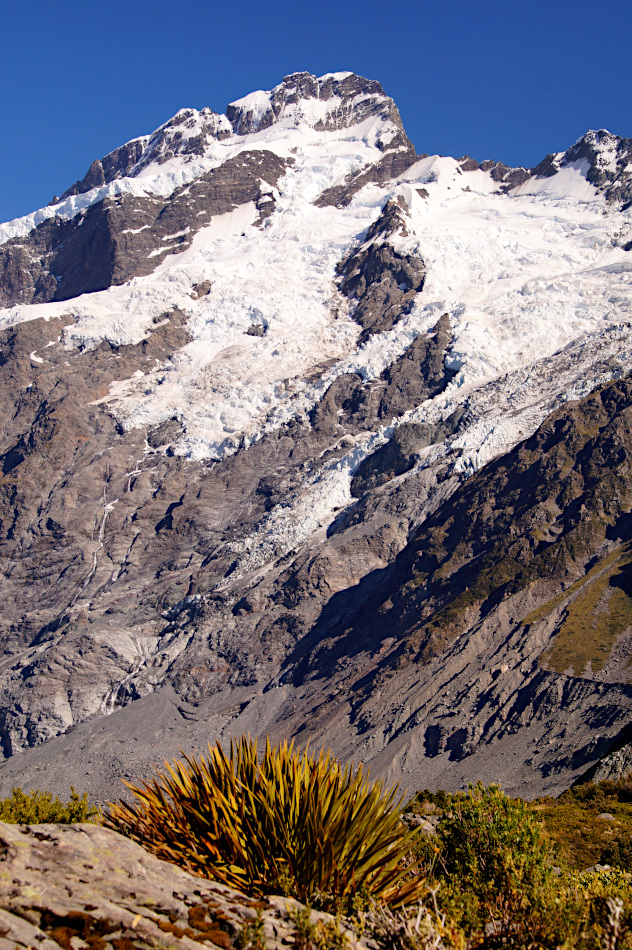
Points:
[(298, 436)]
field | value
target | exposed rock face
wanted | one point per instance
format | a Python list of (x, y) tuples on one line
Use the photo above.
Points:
[(615, 764), (396, 457), (551, 518), (117, 239), (393, 164), (139, 529), (384, 283), (534, 519), (353, 405), (349, 100), (186, 136), (382, 280), (339, 643), (81, 885), (118, 164), (506, 176)]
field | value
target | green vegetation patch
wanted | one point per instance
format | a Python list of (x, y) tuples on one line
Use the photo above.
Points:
[(504, 872), (542, 612), (581, 835), (597, 615), (40, 808)]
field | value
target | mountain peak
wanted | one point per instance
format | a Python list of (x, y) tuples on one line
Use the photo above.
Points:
[(186, 134), (329, 102), (605, 159)]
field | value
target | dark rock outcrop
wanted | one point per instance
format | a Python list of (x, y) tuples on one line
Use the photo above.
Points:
[(399, 454), (383, 281), (541, 518), (354, 405), (120, 238), (117, 164), (506, 176), (356, 98), (391, 166)]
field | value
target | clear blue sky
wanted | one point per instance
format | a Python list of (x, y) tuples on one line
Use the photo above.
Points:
[(504, 81)]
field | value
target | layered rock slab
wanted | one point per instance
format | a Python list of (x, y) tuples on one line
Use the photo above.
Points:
[(82, 885)]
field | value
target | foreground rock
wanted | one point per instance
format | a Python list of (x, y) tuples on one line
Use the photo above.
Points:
[(76, 886)]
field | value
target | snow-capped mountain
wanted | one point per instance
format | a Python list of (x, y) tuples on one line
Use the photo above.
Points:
[(249, 362)]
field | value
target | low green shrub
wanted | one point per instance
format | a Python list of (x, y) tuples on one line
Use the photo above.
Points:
[(618, 852), (292, 823), (40, 807), (492, 863), (321, 934), (589, 910)]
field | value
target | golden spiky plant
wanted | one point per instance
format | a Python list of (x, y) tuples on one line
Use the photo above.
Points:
[(292, 822)]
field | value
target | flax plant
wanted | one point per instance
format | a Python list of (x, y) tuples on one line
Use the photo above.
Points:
[(292, 823)]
